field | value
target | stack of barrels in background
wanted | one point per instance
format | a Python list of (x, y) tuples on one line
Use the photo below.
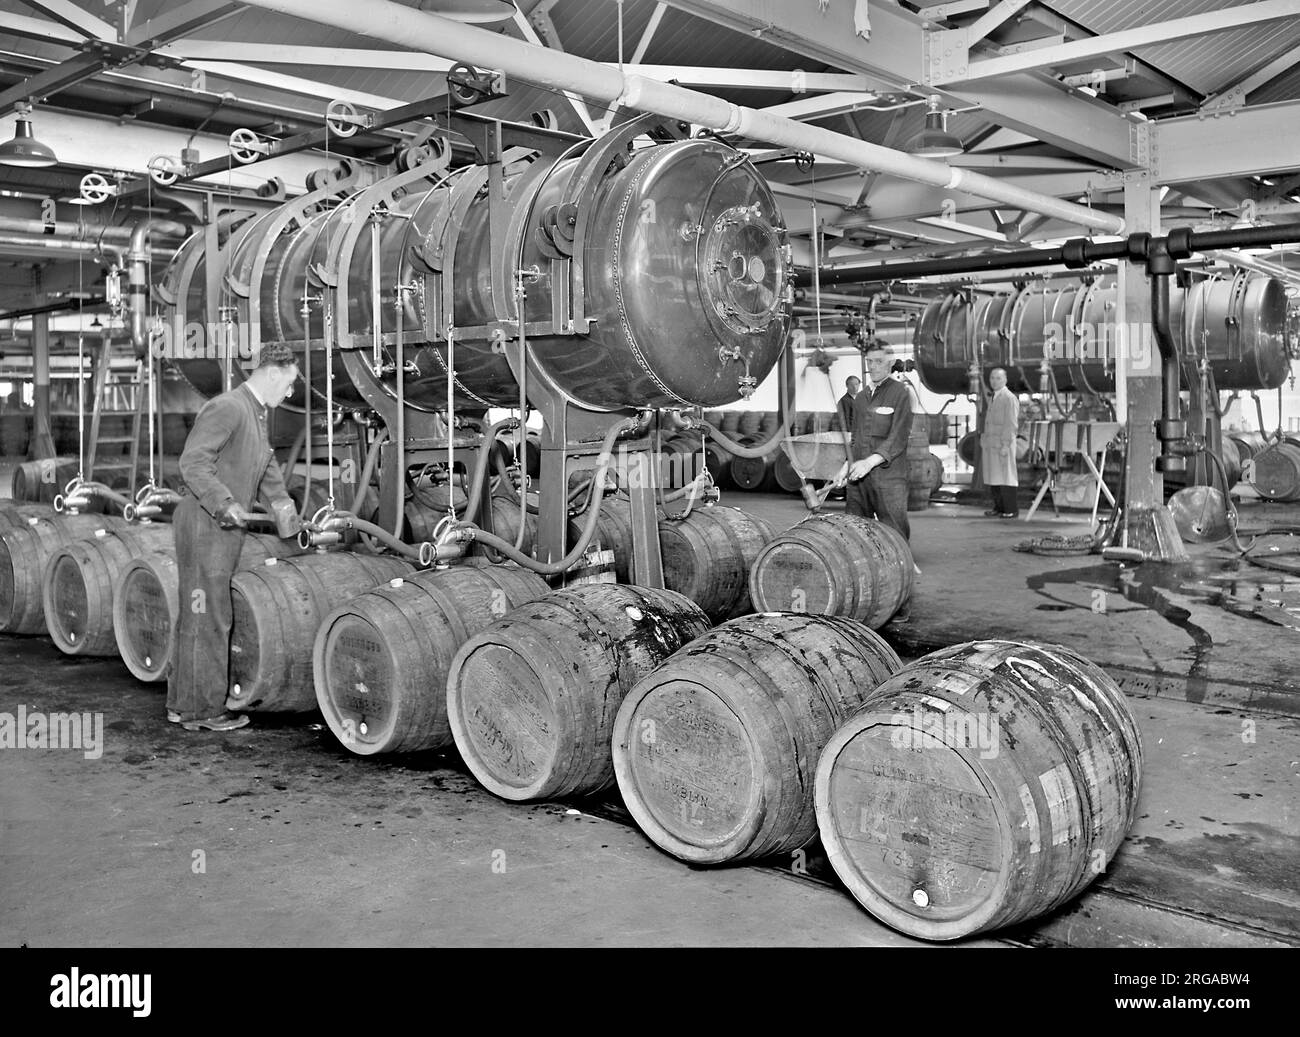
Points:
[(775, 473)]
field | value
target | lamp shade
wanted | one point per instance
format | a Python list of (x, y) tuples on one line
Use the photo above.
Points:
[(24, 149), (935, 141)]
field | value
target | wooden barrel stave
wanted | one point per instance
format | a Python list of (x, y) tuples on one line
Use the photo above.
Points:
[(278, 609), (381, 660), (532, 699), (738, 719), (834, 564), (983, 785)]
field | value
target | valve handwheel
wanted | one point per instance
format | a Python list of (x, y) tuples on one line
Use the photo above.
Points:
[(95, 189), (341, 118), (164, 170), (246, 146)]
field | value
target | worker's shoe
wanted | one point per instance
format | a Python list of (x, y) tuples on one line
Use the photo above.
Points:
[(226, 721), (992, 512), (173, 717), (1008, 514)]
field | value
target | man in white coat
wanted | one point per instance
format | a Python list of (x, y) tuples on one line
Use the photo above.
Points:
[(998, 446)]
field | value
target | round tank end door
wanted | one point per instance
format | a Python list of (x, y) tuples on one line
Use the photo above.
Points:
[(743, 271)]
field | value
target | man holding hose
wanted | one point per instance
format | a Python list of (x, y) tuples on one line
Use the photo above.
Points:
[(227, 463)]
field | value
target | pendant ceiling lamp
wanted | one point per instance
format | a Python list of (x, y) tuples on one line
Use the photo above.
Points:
[(935, 141), (24, 149)]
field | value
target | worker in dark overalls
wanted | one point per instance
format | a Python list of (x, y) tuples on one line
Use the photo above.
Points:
[(227, 464), (882, 421)]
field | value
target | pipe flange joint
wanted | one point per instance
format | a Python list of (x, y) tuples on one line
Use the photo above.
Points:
[(1171, 464), (1074, 253), (1139, 245), (1169, 430), (1178, 243), (1159, 262)]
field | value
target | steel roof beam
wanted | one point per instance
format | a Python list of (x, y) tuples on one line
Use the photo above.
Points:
[(960, 69), (142, 39), (1250, 142), (76, 18), (896, 57), (394, 23)]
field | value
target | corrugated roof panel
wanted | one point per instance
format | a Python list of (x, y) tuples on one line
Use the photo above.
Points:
[(1204, 63)]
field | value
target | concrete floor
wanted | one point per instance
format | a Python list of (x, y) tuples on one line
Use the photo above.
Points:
[(273, 835)]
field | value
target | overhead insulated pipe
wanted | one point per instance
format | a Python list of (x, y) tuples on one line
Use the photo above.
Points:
[(556, 70)]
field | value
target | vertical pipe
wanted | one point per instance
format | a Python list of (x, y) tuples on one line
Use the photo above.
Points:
[(43, 439)]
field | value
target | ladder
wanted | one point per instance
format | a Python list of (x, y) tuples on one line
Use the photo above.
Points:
[(120, 414)]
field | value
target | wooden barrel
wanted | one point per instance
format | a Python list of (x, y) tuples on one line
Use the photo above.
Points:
[(679, 460), (505, 523), (730, 422), (937, 425), (278, 607), (834, 565), (968, 448), (146, 603), (983, 785), (707, 556), (754, 473), (718, 461), (751, 421), (381, 660), (924, 476), (715, 751), (24, 552), (14, 514), (713, 417), (769, 423), (532, 699), (1277, 471), (802, 422), (784, 475), (80, 579), (42, 480), (1248, 443)]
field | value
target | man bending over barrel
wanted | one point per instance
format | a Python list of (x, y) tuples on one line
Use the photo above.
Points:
[(227, 464)]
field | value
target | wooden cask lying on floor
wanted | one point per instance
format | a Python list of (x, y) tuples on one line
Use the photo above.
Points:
[(980, 786), (834, 565), (707, 556), (13, 514), (1275, 471), (42, 481), (147, 603), (532, 699), (278, 608), (80, 579), (381, 660), (24, 552), (715, 750)]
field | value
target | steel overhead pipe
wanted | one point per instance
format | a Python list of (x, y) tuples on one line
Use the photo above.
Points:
[(1076, 254), (556, 70), (1171, 429), (137, 259)]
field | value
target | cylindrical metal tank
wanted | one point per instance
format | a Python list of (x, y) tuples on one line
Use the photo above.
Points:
[(1238, 323), (682, 272)]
